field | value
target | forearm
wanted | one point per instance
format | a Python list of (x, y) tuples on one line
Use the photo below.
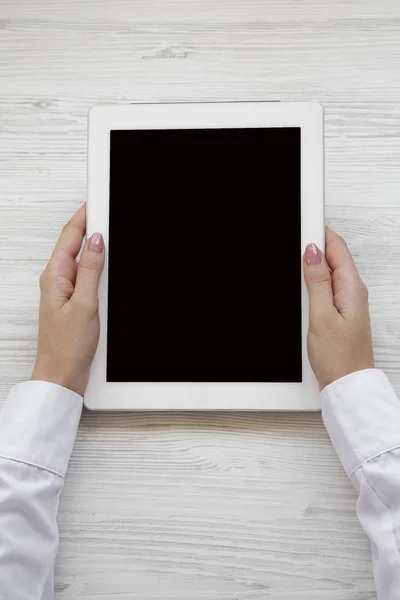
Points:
[(362, 415), (38, 426)]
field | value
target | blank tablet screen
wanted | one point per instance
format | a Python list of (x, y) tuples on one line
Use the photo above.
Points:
[(205, 256)]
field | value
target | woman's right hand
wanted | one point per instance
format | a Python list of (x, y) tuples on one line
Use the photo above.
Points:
[(339, 336)]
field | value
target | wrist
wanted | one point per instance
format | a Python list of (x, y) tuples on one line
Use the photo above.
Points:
[(328, 379), (46, 372)]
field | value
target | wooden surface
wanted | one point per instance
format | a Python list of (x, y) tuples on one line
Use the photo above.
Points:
[(194, 506)]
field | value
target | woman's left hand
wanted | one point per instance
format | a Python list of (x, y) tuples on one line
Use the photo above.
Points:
[(69, 318)]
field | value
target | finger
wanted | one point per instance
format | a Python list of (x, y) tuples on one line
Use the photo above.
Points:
[(349, 291), (63, 258), (319, 282), (90, 267), (338, 254)]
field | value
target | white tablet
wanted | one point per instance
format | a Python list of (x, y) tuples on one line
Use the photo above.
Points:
[(206, 210)]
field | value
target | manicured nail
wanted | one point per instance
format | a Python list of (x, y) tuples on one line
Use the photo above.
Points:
[(96, 243), (313, 255)]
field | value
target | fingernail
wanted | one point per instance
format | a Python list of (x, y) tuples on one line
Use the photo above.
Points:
[(313, 255), (96, 243)]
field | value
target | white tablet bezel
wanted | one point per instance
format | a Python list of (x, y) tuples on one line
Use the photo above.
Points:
[(101, 395)]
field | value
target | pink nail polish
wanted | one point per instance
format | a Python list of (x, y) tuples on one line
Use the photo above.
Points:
[(313, 255), (96, 243)]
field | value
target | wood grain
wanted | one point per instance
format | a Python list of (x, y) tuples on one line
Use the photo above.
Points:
[(200, 506)]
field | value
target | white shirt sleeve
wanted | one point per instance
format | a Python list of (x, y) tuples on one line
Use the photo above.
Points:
[(38, 426), (362, 415)]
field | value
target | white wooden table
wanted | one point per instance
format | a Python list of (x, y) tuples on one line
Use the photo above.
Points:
[(200, 506)]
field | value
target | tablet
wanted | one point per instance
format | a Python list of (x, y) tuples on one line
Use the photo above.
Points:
[(205, 210)]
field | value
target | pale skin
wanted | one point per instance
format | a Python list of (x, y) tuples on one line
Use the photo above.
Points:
[(68, 317), (339, 337)]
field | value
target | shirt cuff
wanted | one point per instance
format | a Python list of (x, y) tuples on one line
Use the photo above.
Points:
[(38, 425), (361, 413)]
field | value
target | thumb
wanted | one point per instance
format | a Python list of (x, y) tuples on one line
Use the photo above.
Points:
[(319, 282), (89, 270)]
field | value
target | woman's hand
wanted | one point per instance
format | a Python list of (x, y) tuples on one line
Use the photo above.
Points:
[(68, 318), (339, 336)]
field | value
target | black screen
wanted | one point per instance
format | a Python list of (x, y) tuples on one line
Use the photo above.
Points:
[(205, 256)]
